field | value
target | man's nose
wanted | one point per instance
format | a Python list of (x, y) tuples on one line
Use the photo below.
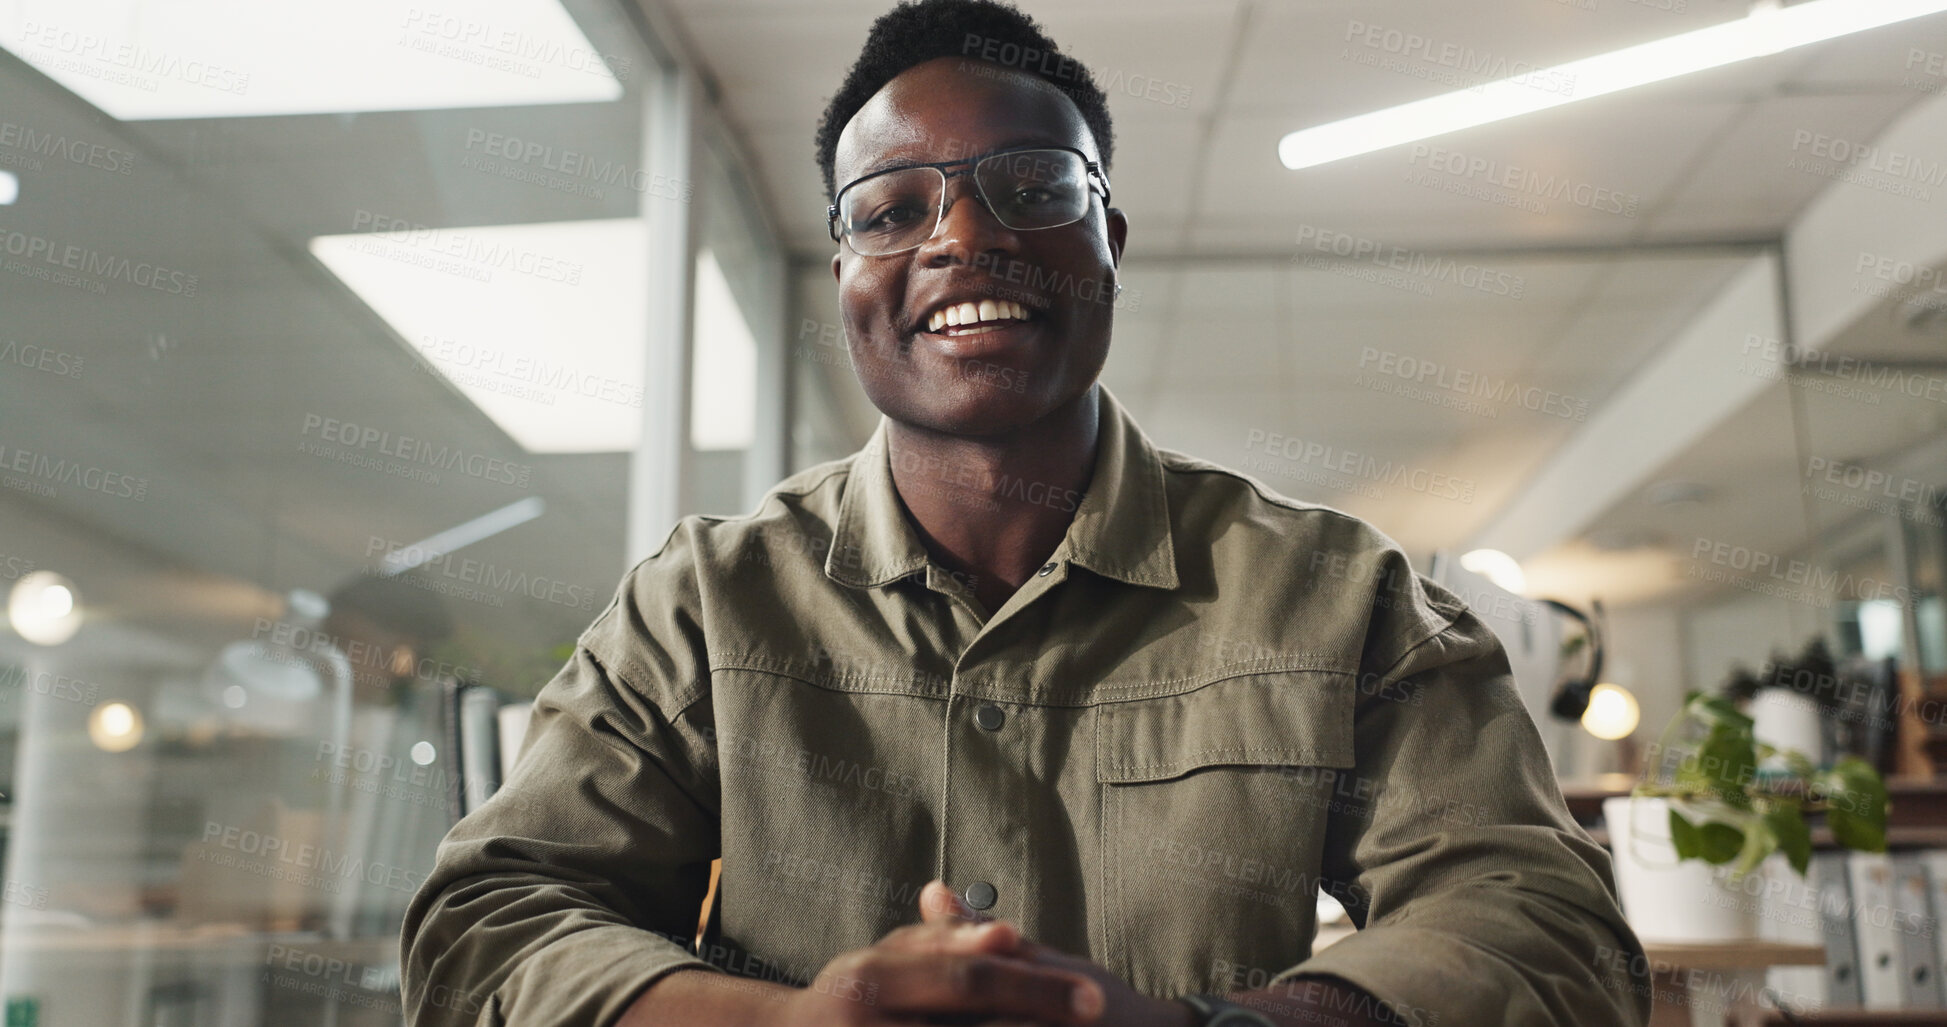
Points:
[(967, 228)]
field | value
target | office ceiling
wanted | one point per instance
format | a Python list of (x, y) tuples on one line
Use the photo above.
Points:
[(1705, 156)]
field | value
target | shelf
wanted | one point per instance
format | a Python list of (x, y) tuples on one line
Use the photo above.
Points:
[(1859, 1018), (1916, 802), (1742, 955), (1900, 838)]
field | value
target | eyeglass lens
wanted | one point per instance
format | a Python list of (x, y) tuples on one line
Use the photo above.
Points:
[(1026, 189)]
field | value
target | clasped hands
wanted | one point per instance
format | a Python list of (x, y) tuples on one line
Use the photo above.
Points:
[(958, 967)]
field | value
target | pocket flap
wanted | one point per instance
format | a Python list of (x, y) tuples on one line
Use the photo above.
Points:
[(1280, 718)]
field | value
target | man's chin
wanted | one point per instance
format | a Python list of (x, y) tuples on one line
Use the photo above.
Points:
[(981, 414)]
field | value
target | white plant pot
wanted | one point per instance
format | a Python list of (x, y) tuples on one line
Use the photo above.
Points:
[(1688, 902), (1784, 719)]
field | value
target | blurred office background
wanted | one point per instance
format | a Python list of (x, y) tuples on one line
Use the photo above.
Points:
[(349, 354)]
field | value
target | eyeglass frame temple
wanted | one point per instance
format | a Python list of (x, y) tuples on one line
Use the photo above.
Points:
[(1089, 167)]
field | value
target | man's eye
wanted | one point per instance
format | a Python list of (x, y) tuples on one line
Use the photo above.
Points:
[(1034, 196), (891, 218)]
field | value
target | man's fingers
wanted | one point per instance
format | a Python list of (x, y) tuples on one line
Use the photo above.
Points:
[(939, 904), (996, 937), (923, 982)]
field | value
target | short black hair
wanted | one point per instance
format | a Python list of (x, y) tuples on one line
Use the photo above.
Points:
[(918, 31)]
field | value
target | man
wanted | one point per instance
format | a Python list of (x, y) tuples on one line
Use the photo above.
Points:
[(1101, 717)]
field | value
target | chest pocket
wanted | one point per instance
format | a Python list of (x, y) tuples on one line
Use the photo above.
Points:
[(1214, 809)]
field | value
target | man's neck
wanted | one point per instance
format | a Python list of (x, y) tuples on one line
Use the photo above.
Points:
[(996, 507)]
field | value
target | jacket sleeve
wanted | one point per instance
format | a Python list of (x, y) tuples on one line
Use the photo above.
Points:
[(579, 883), (1478, 897)]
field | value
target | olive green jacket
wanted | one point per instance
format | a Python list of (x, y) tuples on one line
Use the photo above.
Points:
[(1210, 702)]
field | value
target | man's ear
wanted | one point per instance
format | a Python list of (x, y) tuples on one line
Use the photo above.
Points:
[(1118, 225)]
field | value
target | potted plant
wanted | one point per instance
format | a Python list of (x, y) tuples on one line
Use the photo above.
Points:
[(1707, 813)]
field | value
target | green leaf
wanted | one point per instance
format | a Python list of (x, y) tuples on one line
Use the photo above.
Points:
[(1721, 842), (1717, 713), (1713, 832), (1760, 840), (1728, 762), (1855, 804), (1786, 820), (1687, 840)]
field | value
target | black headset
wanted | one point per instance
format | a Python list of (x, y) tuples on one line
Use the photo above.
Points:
[(1572, 696)]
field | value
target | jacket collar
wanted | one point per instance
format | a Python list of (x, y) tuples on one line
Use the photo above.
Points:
[(1121, 528)]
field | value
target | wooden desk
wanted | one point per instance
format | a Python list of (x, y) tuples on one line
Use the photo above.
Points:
[(1860, 1018), (1718, 985), (1915, 802)]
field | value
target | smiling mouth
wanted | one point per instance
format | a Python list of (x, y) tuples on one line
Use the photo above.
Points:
[(957, 320)]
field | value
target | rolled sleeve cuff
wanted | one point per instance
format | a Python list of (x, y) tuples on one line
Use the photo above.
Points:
[(1427, 978), (589, 977)]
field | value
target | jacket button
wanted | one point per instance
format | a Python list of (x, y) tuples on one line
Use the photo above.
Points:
[(981, 895), (1046, 570), (990, 717)]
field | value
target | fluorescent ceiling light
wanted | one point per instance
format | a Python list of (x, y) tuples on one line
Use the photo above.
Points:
[(1767, 30), (723, 365), (141, 60), (9, 188), (541, 326), (484, 526)]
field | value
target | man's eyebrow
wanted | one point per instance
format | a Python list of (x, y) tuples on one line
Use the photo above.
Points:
[(889, 163)]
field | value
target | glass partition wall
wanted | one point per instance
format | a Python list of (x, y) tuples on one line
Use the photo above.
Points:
[(322, 382)]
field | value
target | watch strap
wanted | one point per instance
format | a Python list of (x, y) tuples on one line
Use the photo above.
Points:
[(1217, 1012)]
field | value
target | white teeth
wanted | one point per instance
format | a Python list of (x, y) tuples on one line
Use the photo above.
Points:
[(966, 313)]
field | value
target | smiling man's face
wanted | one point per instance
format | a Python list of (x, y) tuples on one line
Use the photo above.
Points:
[(992, 379)]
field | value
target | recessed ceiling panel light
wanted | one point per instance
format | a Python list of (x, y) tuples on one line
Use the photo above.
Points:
[(541, 326), (141, 60)]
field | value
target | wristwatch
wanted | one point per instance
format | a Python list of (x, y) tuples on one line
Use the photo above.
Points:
[(1215, 1012)]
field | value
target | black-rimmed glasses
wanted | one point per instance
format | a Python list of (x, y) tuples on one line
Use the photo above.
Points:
[(897, 209)]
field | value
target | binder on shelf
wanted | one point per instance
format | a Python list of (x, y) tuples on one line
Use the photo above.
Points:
[(1789, 913), (1881, 950), (1834, 889), (1932, 950), (1914, 919)]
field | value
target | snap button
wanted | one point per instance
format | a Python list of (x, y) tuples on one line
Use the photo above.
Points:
[(1045, 571), (981, 895), (990, 717)]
